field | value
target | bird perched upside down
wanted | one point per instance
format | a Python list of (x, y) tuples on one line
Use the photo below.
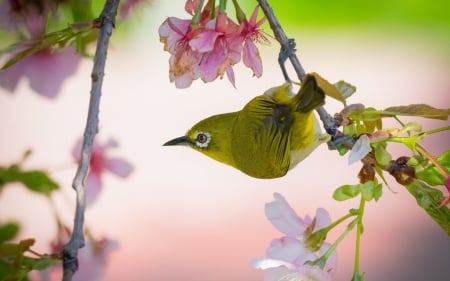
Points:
[(268, 137)]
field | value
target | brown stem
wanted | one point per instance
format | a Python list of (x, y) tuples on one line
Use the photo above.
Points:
[(105, 23), (281, 37)]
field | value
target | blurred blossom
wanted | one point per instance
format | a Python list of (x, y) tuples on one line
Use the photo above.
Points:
[(31, 15), (208, 47), (100, 163), (286, 256), (46, 71), (92, 258), (127, 7)]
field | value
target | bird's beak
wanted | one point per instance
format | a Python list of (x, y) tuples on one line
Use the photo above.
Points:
[(178, 141)]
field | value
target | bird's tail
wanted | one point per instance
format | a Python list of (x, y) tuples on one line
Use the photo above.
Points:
[(310, 96)]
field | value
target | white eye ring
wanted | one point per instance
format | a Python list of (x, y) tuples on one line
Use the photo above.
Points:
[(202, 139)]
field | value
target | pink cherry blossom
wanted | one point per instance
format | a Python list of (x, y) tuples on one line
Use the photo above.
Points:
[(305, 273), (286, 257), (252, 34), (45, 70), (176, 33), (221, 48), (208, 47), (283, 217), (100, 163)]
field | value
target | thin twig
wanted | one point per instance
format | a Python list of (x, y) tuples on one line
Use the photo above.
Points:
[(286, 44), (281, 37), (105, 22)]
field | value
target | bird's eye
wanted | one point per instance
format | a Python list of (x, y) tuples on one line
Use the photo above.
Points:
[(202, 139)]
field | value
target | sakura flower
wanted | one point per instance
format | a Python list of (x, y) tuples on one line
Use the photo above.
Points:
[(176, 33), (305, 273), (210, 44), (46, 70), (251, 32), (100, 163), (283, 217), (221, 48), (287, 257)]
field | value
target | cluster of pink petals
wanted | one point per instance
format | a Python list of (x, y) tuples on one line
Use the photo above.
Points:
[(211, 48), (45, 70), (101, 162), (286, 256)]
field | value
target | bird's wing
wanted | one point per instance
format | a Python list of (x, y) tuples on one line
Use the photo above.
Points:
[(261, 138)]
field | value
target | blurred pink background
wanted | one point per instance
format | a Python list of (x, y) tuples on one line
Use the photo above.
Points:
[(182, 216)]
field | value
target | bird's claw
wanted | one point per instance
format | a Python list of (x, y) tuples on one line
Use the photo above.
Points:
[(284, 54)]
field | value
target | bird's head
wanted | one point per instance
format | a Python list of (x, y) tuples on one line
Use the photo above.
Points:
[(211, 136)]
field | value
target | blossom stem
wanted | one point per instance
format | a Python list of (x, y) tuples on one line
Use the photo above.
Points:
[(222, 6), (69, 253), (323, 259), (240, 15), (338, 221), (196, 18), (359, 231)]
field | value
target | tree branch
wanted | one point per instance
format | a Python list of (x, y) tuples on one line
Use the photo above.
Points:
[(281, 37), (287, 45), (105, 22)]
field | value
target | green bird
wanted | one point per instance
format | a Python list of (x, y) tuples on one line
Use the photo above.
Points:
[(268, 137)]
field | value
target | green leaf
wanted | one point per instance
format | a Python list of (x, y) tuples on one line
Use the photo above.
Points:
[(410, 142), (37, 181), (14, 265), (5, 270), (370, 190), (444, 160), (346, 89), (56, 39), (14, 249), (8, 231), (41, 263), (422, 110), (345, 192), (377, 191), (328, 88), (429, 173), (368, 114), (429, 199), (381, 155), (410, 127)]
